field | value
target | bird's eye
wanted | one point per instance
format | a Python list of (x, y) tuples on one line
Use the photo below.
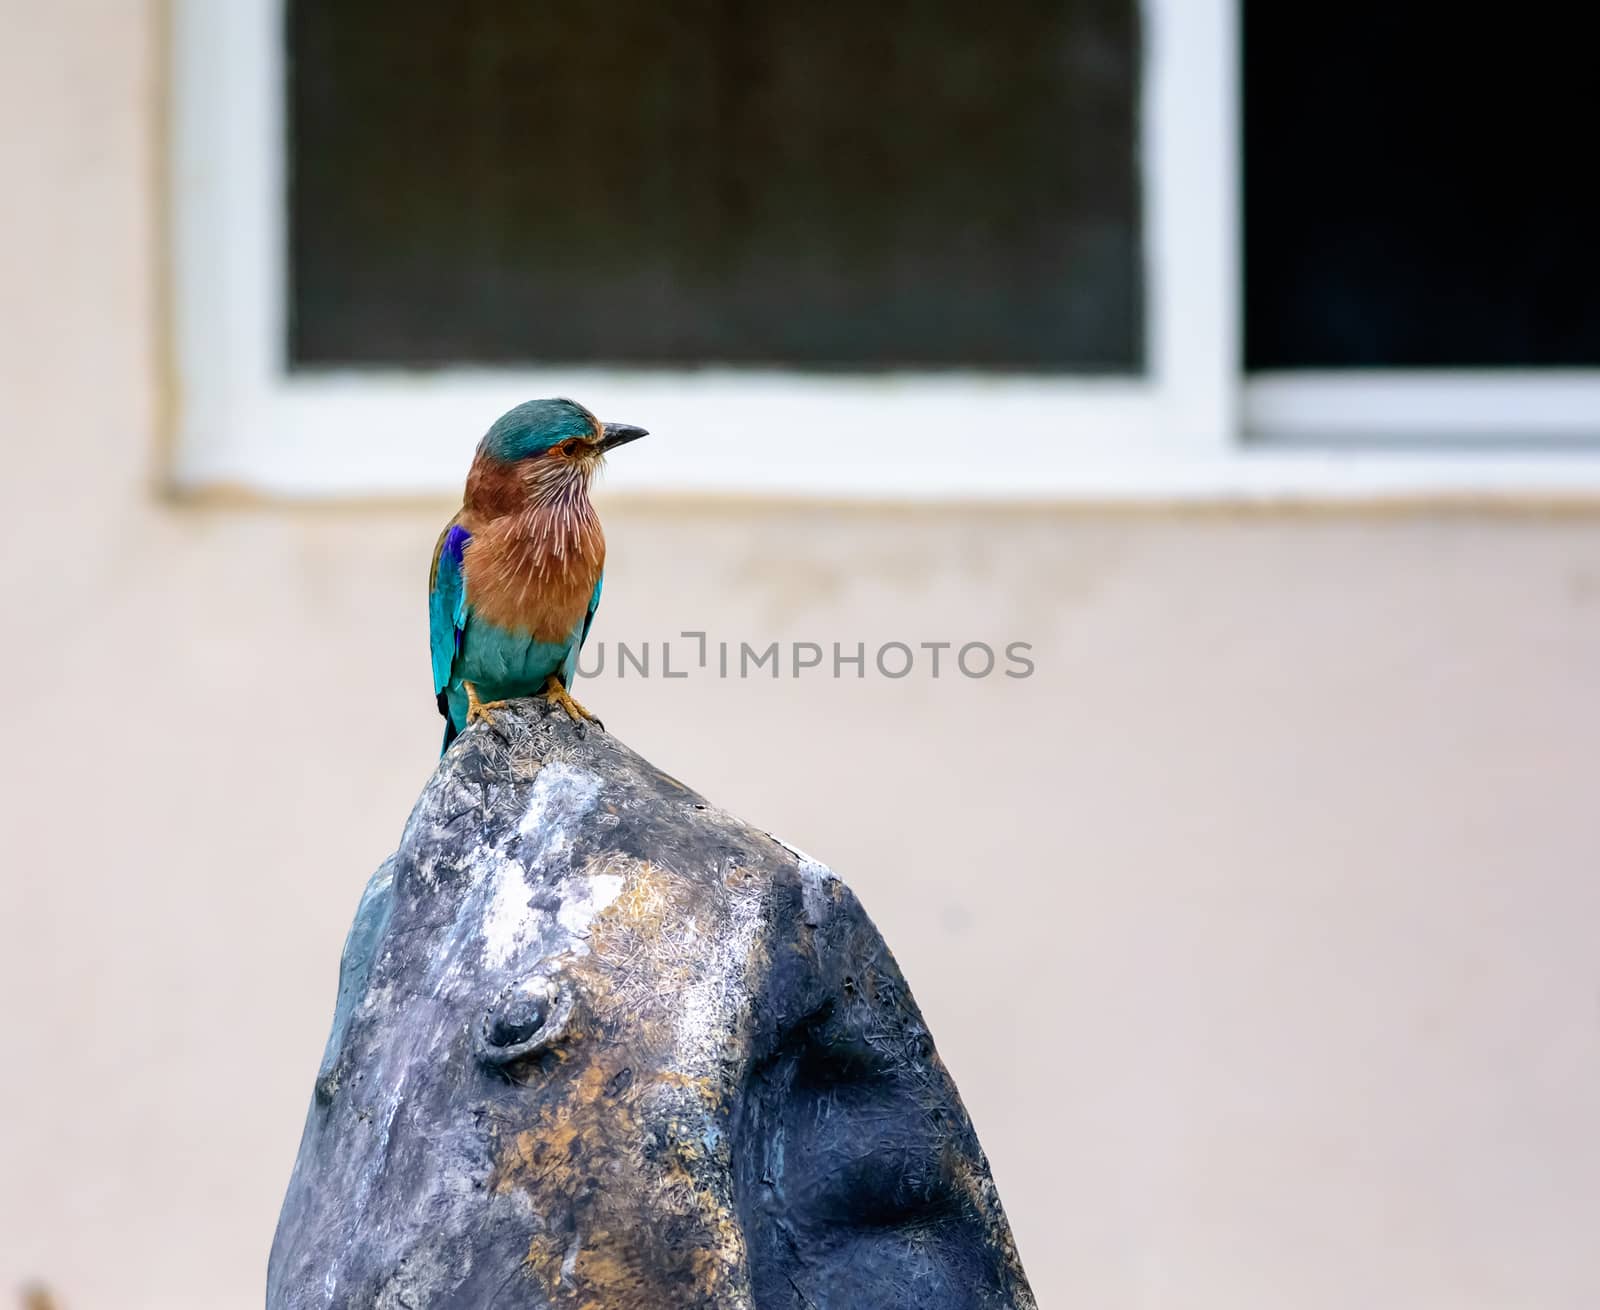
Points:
[(569, 447)]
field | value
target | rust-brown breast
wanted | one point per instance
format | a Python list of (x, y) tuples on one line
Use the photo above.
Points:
[(531, 572)]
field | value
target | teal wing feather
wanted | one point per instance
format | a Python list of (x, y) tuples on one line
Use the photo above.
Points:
[(447, 606), (569, 666)]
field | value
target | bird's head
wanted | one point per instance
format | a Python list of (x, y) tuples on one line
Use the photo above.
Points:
[(554, 439)]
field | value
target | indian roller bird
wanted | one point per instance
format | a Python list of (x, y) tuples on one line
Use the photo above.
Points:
[(516, 573)]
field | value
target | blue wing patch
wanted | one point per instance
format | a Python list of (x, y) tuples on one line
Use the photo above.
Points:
[(447, 603)]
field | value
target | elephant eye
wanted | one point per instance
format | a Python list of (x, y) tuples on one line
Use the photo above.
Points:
[(522, 1016), (527, 1017)]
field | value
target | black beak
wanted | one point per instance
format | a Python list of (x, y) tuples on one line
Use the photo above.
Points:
[(619, 434)]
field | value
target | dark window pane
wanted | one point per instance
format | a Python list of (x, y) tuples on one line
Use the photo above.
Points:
[(1420, 185), (920, 182)]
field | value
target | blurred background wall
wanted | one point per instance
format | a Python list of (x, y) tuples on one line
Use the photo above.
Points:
[(1258, 927)]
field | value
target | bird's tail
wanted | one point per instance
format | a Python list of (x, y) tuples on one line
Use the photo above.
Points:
[(450, 730)]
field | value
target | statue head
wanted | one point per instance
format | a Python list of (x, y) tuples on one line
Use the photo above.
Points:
[(598, 1044)]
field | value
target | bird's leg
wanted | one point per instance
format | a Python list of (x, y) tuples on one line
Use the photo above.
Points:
[(480, 711), (555, 693)]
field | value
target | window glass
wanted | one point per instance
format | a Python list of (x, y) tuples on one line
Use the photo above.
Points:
[(1420, 186), (831, 185)]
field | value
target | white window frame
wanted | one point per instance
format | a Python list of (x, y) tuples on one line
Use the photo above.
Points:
[(1418, 407), (1181, 430)]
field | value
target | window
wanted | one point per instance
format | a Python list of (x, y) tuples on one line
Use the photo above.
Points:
[(931, 249), (832, 185), (1420, 257)]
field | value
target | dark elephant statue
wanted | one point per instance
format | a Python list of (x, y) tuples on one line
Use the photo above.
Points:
[(600, 1045)]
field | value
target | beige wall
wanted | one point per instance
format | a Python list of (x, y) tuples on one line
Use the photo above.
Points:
[(1259, 928)]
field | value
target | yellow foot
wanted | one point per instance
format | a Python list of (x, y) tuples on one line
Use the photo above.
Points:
[(480, 711), (556, 694)]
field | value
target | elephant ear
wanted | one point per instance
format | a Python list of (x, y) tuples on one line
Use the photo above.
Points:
[(447, 604)]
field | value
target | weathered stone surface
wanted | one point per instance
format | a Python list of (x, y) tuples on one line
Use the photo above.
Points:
[(599, 1044)]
